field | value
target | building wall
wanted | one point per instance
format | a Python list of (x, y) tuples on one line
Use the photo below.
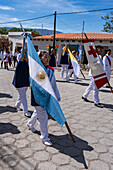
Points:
[(15, 38), (42, 46)]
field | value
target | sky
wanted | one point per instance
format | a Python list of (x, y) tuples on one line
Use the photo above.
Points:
[(14, 10)]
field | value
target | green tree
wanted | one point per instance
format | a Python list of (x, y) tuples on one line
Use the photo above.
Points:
[(3, 30), (108, 26)]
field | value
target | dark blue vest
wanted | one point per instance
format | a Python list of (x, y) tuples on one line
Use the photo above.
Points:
[(21, 77)]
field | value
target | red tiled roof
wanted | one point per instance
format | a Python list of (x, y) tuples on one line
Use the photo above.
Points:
[(76, 36)]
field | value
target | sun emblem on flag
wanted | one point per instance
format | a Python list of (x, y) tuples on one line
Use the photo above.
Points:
[(41, 76)]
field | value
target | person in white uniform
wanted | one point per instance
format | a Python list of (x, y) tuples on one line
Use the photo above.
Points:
[(2, 56), (21, 82), (19, 56), (70, 69), (107, 65), (39, 112), (64, 63), (92, 85)]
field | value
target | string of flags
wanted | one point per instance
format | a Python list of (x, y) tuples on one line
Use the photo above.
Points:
[(56, 46)]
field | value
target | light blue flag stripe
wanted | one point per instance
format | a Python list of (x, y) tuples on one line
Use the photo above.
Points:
[(43, 97), (80, 48), (32, 53)]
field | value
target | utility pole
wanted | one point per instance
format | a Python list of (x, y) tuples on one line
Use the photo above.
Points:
[(83, 28), (42, 28), (54, 30)]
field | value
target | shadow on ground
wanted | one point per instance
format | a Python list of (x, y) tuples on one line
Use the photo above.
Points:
[(4, 109), (5, 95), (108, 106), (105, 91), (64, 144), (8, 128)]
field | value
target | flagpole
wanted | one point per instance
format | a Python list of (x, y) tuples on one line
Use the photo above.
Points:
[(80, 44), (54, 30), (82, 74), (69, 132)]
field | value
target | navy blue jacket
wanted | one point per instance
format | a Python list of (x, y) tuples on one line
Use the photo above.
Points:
[(64, 59), (21, 77), (52, 61)]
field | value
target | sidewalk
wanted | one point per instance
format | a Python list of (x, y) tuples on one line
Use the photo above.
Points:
[(92, 127)]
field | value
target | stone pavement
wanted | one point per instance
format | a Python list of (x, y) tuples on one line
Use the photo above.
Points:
[(92, 127)]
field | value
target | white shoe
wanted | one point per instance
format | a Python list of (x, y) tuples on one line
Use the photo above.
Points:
[(32, 129), (27, 114), (48, 143)]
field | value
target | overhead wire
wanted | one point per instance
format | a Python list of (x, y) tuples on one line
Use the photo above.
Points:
[(79, 12)]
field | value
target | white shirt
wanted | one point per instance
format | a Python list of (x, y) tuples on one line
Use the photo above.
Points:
[(19, 57), (106, 64)]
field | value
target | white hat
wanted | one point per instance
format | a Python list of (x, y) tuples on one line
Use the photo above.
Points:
[(51, 49), (73, 51)]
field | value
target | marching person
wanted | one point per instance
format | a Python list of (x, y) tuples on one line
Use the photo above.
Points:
[(19, 55), (52, 61), (39, 112), (77, 56), (3, 52), (92, 84), (6, 54), (21, 82), (107, 65), (70, 69), (15, 57), (64, 63)]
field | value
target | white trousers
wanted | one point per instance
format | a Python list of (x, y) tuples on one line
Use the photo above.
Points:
[(22, 99), (64, 66), (42, 117), (70, 71), (108, 74), (93, 87)]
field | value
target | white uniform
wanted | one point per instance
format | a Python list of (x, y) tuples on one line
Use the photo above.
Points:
[(5, 55), (22, 99), (2, 58), (19, 57), (70, 71), (64, 64), (42, 115), (2, 55), (92, 86), (107, 66)]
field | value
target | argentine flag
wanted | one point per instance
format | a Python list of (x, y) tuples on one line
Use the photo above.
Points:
[(41, 86)]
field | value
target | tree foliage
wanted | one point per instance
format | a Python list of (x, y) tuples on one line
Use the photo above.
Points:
[(108, 26), (5, 31)]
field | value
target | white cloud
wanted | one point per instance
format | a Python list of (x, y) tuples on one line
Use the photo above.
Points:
[(31, 11), (6, 8), (14, 19)]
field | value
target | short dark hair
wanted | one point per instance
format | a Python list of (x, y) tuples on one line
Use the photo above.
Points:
[(108, 50), (42, 53), (99, 46)]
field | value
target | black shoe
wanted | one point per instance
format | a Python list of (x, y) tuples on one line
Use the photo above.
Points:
[(99, 105), (107, 86), (85, 99)]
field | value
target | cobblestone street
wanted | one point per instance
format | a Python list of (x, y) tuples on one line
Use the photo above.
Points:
[(92, 128)]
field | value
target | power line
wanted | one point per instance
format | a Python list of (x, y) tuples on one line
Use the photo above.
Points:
[(67, 24), (79, 12), (27, 19)]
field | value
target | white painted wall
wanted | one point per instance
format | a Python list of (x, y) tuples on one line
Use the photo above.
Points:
[(42, 46)]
